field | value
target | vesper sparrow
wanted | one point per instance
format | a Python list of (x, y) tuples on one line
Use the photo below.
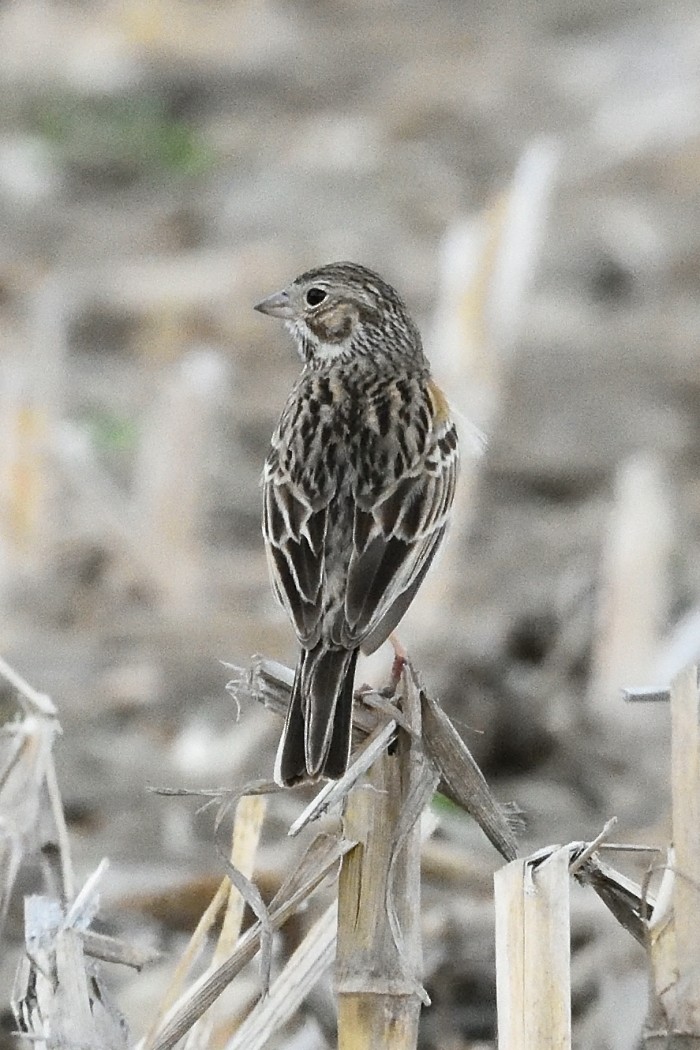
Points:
[(358, 488)]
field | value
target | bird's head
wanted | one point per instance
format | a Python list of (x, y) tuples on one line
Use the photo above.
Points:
[(344, 310)]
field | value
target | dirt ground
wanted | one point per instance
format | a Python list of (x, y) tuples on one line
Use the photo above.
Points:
[(165, 166)]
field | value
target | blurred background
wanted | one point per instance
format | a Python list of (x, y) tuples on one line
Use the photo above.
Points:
[(527, 176)]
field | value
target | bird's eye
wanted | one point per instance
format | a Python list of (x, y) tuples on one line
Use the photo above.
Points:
[(314, 296)]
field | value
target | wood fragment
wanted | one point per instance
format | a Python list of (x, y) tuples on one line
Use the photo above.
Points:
[(318, 862), (304, 968), (685, 792), (378, 974), (30, 406), (334, 791), (462, 780), (626, 900), (591, 847), (514, 262), (245, 837), (169, 473), (635, 597), (647, 696), (59, 1000), (192, 952), (25, 756), (247, 828), (110, 949), (31, 699), (532, 954), (674, 933)]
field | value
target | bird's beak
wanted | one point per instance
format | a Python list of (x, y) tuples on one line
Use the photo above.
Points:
[(277, 305)]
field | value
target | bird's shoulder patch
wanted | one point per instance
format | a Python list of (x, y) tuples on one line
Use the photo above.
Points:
[(441, 407)]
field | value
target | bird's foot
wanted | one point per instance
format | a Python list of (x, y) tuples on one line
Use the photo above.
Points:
[(400, 661)]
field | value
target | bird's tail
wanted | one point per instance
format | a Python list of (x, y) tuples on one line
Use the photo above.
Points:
[(316, 736)]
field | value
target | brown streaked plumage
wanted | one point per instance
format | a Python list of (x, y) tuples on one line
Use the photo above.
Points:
[(358, 487)]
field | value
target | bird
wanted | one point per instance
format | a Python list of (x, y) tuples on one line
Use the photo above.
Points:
[(358, 487)]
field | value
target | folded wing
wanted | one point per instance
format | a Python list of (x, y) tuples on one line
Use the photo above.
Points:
[(295, 541), (394, 542), (353, 585)]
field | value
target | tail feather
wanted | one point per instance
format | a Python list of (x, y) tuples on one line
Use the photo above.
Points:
[(316, 737), (290, 765), (339, 746)]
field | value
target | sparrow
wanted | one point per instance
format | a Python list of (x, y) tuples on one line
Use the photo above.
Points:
[(358, 487)]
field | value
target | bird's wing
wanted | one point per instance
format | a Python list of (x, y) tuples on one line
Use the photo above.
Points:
[(294, 528), (353, 584), (395, 537)]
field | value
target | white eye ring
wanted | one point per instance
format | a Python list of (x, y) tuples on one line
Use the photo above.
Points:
[(315, 296)]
